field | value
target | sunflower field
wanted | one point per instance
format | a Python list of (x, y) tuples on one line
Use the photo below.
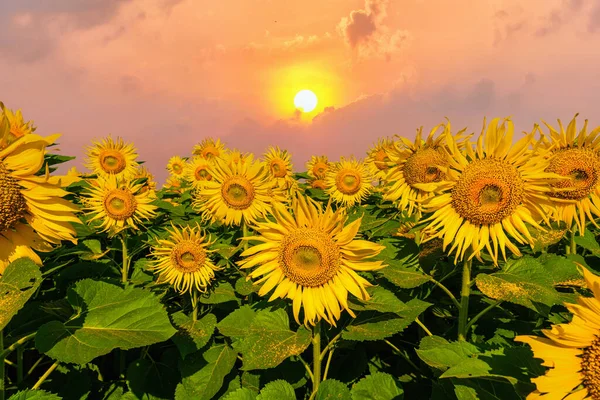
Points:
[(454, 265)]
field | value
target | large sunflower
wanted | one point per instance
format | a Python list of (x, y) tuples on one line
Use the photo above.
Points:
[(576, 156), (311, 258), (183, 261), (33, 214), (197, 171), (119, 204), (317, 167), (209, 148), (378, 158), (490, 192), (348, 182), (17, 127), (415, 164), (572, 351), (176, 166), (237, 192), (112, 157)]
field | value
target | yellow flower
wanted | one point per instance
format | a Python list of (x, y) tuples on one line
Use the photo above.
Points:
[(489, 192), (17, 127), (119, 204), (237, 192), (348, 182), (317, 167), (572, 351), (197, 171), (112, 157), (318, 184), (209, 148), (33, 213), (236, 157), (172, 182), (378, 159), (415, 164), (143, 173), (183, 261), (311, 258), (576, 156), (176, 166), (280, 168)]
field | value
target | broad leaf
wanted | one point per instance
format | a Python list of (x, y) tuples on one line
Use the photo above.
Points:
[(378, 386), (241, 394), (19, 281), (277, 390), (331, 389), (34, 395), (402, 259), (222, 293), (192, 335)]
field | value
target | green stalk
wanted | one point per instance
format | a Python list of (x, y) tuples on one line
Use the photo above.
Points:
[(446, 290), (573, 244), (463, 312), (194, 305), (316, 345), (125, 268), (2, 394), (19, 365), (245, 234), (46, 375), (481, 313)]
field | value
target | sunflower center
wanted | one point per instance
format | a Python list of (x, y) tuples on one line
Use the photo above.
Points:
[(319, 169), (13, 205), (237, 192), (582, 166), (487, 191), (112, 161), (422, 166), (120, 204), (202, 174), (309, 257), (278, 168), (381, 159), (210, 152), (187, 256), (348, 181), (590, 368), (177, 168)]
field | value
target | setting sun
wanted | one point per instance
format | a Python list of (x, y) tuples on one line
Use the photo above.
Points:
[(305, 100)]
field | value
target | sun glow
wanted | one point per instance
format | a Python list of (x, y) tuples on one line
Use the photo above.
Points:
[(305, 100)]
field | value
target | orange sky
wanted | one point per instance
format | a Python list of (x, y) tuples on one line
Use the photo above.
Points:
[(167, 73)]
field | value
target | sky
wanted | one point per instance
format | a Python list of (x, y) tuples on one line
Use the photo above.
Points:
[(165, 74)]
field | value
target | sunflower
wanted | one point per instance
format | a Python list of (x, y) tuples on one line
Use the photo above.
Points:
[(197, 171), (311, 258), (576, 156), (488, 192), (209, 148), (280, 167), (572, 351), (143, 173), (378, 159), (172, 182), (317, 167), (176, 166), (348, 182), (112, 157), (182, 259), (236, 157), (119, 204), (237, 192), (33, 213), (17, 127), (318, 184), (414, 164)]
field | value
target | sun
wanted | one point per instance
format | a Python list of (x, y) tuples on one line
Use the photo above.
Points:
[(306, 100)]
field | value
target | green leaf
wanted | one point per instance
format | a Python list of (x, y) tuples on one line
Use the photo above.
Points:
[(588, 242), (563, 270), (525, 282), (241, 394), (204, 375), (370, 325), (402, 259), (477, 389), (93, 245), (237, 324), (34, 395), (222, 293), (269, 340), (331, 389), (107, 317), (438, 353), (277, 390), (156, 379), (245, 287), (20, 280), (382, 300), (192, 335), (378, 386), (474, 368)]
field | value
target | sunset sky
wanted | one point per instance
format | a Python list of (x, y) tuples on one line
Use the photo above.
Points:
[(165, 74)]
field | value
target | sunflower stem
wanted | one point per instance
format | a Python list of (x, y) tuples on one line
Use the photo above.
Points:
[(2, 397), (125, 269), (481, 313), (194, 305), (245, 233), (447, 291), (422, 325), (329, 357), (463, 313), (316, 345), (572, 241), (19, 365), (46, 375)]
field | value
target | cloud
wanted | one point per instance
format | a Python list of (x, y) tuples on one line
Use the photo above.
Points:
[(557, 17), (364, 31), (594, 21)]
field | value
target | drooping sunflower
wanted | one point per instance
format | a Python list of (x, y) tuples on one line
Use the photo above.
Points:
[(237, 192), (112, 157), (209, 148), (490, 192), (576, 156), (348, 182), (33, 213), (17, 127), (311, 257), (378, 159), (317, 167), (197, 171), (572, 351), (119, 204), (183, 259), (176, 166), (415, 164)]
